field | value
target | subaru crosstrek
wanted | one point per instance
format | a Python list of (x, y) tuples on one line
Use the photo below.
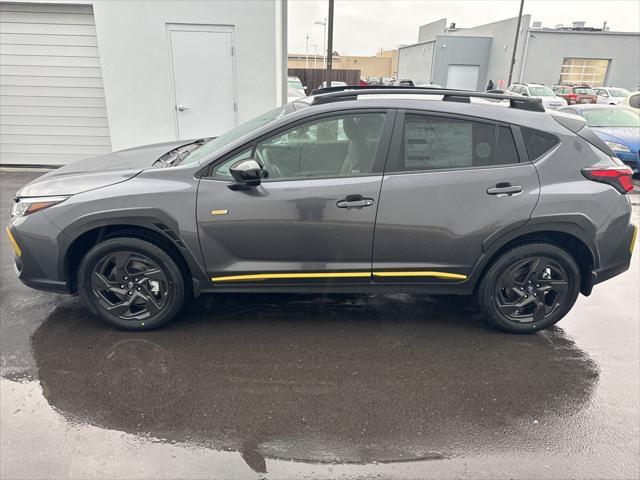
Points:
[(349, 190)]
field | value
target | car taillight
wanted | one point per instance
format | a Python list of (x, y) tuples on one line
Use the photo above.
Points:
[(619, 178), (572, 97)]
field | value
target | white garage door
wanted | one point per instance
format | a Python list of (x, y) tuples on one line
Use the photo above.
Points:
[(464, 77), (52, 107)]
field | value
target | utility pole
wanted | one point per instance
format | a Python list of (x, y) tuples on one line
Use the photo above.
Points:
[(315, 54), (330, 44), (324, 40), (306, 56), (515, 43)]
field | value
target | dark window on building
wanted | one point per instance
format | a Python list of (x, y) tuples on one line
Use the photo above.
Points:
[(506, 151), (538, 143), (434, 143)]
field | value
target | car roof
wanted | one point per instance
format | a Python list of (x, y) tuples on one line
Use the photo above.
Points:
[(590, 106)]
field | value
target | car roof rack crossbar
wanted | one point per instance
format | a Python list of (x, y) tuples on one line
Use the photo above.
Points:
[(351, 92)]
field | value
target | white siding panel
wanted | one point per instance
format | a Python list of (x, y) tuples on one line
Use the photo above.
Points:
[(52, 102), (54, 111), (51, 71), (28, 39), (52, 122), (45, 8), (39, 91), (42, 81), (44, 101), (56, 50), (46, 60), (47, 28), (59, 18), (63, 130)]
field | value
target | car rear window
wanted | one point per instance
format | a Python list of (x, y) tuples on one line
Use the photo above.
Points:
[(537, 142), (583, 91)]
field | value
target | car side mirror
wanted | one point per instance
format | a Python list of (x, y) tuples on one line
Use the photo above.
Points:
[(246, 173)]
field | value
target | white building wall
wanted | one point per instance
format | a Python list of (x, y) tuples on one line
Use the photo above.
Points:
[(415, 62), (136, 65)]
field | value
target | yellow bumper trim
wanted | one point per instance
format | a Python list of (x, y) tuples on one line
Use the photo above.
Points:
[(289, 276), (634, 238), (14, 244)]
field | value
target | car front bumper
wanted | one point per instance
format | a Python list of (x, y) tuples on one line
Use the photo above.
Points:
[(36, 257)]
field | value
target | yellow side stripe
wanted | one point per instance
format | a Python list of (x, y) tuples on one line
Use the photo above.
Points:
[(270, 276), (287, 276), (426, 273), (633, 239), (14, 244)]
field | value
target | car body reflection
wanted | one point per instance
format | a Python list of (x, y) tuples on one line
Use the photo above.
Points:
[(345, 379)]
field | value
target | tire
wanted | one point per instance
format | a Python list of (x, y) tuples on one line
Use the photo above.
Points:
[(529, 288), (131, 283)]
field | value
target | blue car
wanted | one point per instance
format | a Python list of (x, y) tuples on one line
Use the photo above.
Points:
[(619, 128)]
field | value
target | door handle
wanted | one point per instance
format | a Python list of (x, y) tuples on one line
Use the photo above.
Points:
[(354, 201), (182, 108), (504, 189)]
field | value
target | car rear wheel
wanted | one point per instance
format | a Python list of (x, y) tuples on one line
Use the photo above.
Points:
[(131, 283), (529, 288)]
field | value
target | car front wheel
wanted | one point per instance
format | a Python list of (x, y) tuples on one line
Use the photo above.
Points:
[(131, 283), (529, 288)]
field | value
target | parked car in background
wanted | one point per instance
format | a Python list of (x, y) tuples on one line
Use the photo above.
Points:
[(610, 95), (363, 82), (618, 127), (537, 90), (334, 83), (402, 82), (374, 81), (523, 208), (294, 94), (428, 85), (295, 83), (574, 94), (632, 101)]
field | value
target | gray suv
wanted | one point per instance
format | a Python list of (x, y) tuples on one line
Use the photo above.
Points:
[(349, 190)]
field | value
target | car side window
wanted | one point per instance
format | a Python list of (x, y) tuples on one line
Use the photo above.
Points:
[(538, 143), (434, 143), (341, 145)]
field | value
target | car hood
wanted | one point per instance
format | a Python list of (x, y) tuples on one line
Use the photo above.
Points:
[(629, 136), (97, 172)]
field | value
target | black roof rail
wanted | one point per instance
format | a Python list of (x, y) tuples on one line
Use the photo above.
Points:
[(351, 92)]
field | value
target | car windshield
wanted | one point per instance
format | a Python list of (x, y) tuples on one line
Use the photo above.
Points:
[(611, 117), (295, 83), (618, 92), (541, 92), (232, 135), (583, 91)]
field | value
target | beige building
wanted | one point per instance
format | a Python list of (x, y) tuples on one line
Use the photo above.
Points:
[(385, 64)]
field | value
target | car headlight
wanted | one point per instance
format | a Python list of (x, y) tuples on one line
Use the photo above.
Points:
[(27, 205), (618, 147)]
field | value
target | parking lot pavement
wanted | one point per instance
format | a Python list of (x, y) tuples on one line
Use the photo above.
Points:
[(299, 386)]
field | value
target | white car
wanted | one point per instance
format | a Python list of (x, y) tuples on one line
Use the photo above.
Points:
[(610, 95), (632, 101), (295, 84), (294, 94), (550, 100), (334, 83)]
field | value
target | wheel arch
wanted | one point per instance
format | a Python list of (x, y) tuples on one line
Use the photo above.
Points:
[(566, 236), (85, 233)]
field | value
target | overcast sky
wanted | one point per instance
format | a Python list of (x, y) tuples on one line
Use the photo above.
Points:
[(362, 27)]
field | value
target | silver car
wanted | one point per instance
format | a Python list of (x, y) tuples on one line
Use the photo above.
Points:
[(610, 95), (536, 90)]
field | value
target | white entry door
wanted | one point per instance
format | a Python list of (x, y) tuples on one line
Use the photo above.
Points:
[(204, 79), (463, 77)]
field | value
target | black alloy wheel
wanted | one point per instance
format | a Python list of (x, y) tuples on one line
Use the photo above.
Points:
[(131, 283), (529, 287)]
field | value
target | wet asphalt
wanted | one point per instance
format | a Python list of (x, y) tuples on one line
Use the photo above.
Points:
[(301, 386)]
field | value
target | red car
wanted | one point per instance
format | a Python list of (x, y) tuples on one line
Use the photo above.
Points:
[(576, 93)]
